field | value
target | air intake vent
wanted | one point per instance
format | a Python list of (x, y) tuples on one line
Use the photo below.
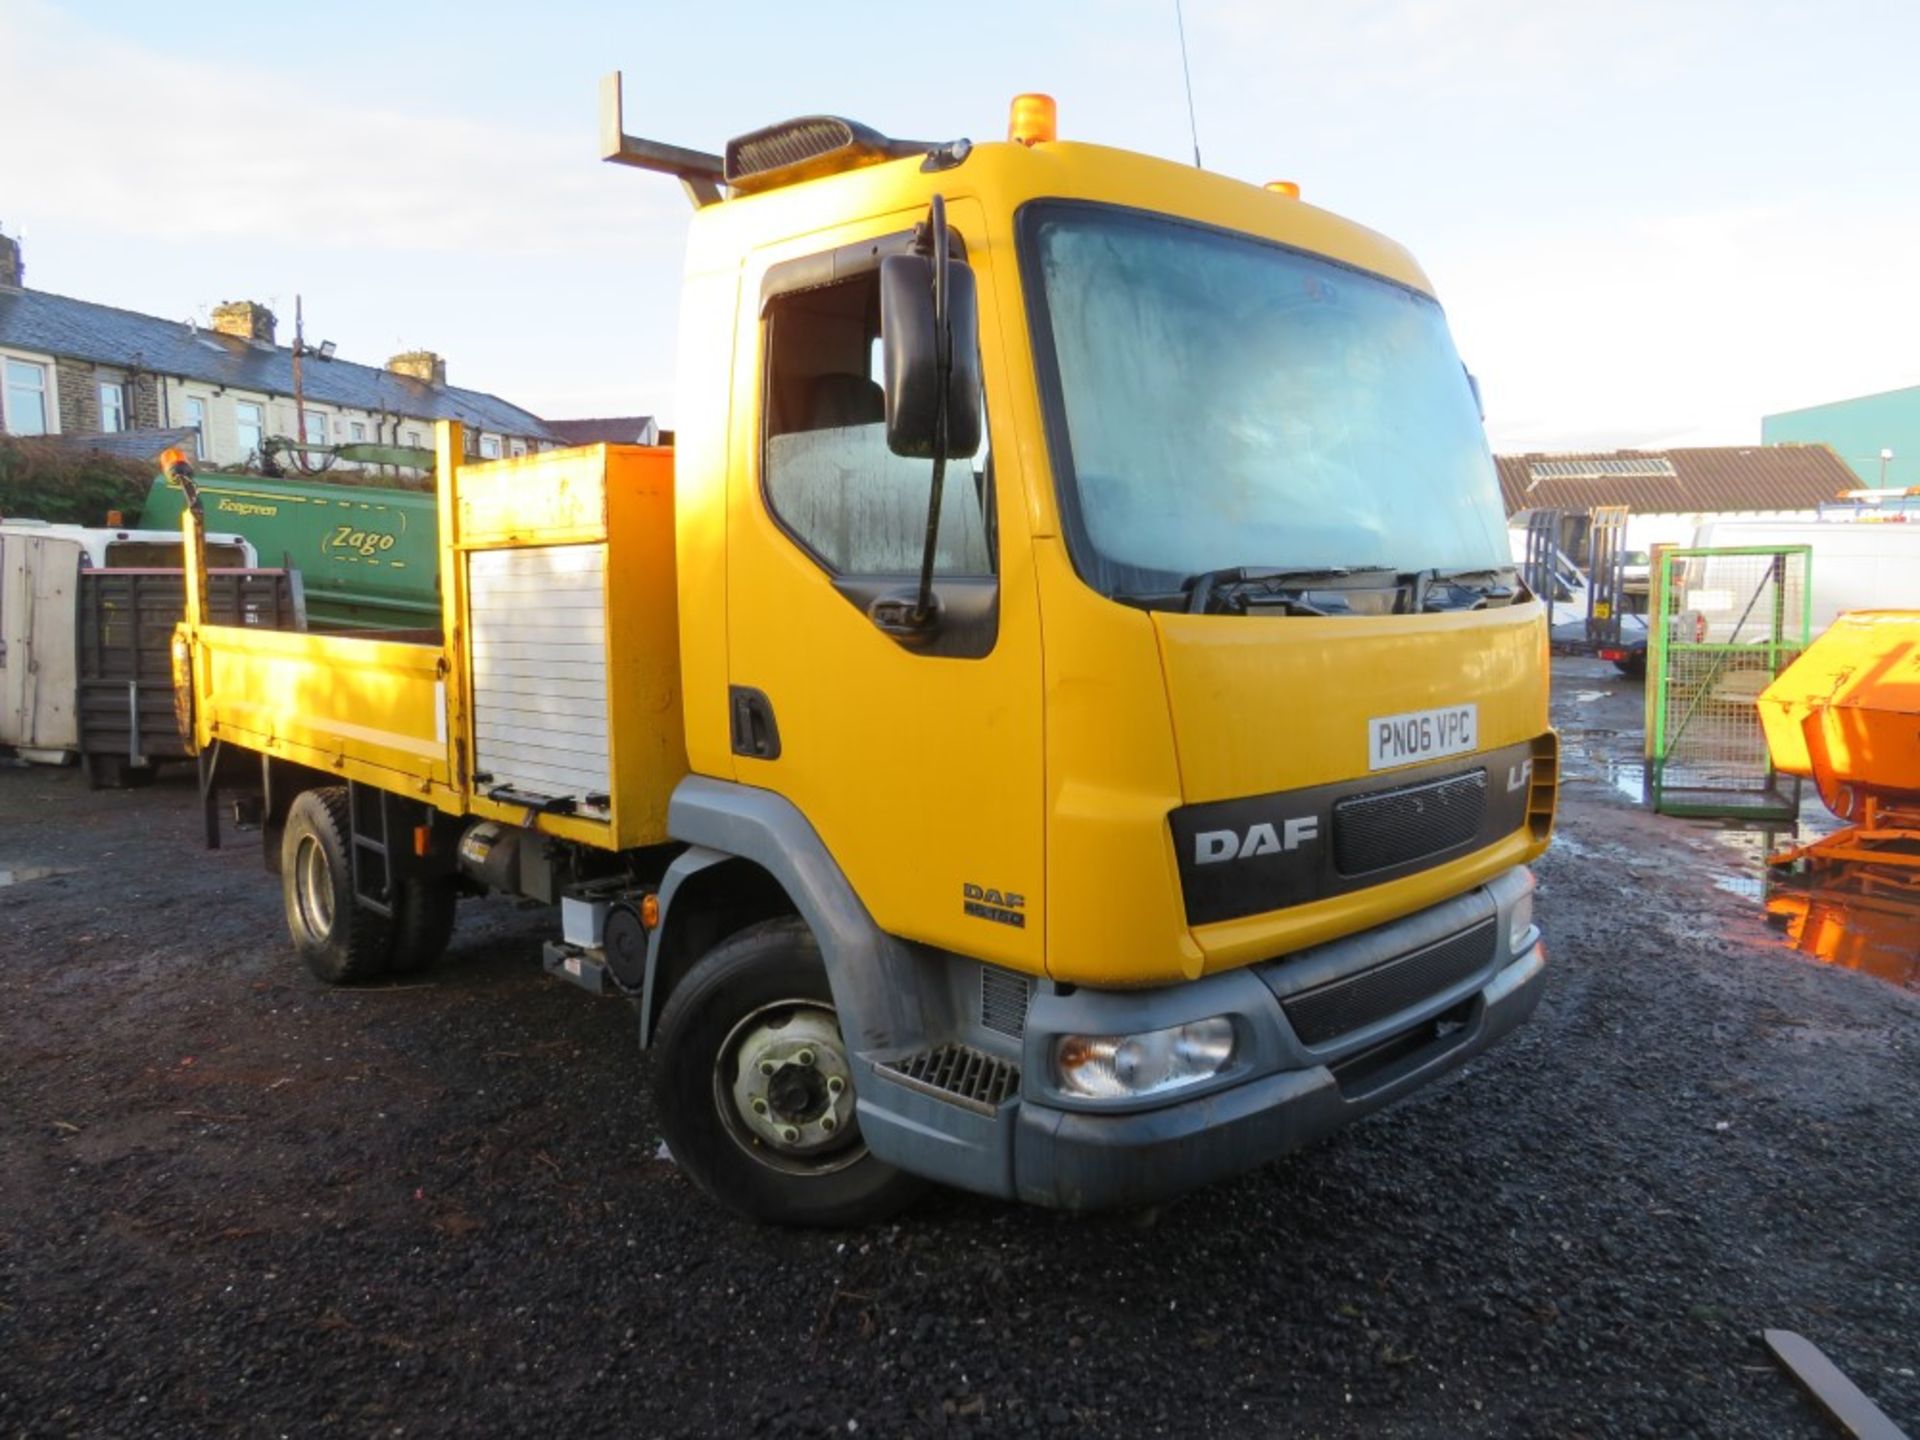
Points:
[(960, 1074), (801, 149), (1003, 1001), (1396, 827), (1330, 1011)]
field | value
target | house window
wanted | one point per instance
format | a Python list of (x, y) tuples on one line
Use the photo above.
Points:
[(489, 447), (413, 439), (517, 448), (197, 422), (358, 430), (249, 427), (313, 426), (26, 399), (113, 407)]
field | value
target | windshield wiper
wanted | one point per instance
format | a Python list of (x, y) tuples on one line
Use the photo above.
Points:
[(1496, 585), (1253, 585)]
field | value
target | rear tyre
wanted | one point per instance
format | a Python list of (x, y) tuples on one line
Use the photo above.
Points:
[(422, 923), (342, 941), (112, 772), (756, 1087)]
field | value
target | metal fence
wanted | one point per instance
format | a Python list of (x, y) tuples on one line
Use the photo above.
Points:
[(1725, 622)]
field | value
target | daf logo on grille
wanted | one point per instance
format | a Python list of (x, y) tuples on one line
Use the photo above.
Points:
[(1210, 847)]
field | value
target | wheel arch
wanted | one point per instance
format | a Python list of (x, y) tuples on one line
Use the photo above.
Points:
[(742, 836)]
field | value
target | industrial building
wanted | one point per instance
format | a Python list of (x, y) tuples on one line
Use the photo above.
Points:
[(1669, 493), (1878, 436)]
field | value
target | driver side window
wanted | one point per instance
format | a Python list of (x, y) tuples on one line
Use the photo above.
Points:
[(830, 479)]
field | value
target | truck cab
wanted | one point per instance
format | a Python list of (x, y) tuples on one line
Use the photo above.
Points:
[(1233, 710)]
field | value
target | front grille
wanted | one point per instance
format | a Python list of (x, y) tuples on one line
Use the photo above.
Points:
[(961, 1074), (1003, 1001), (1327, 1012), (1396, 827)]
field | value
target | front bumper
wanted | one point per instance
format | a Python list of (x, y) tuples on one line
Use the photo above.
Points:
[(1286, 1086), (1082, 1161)]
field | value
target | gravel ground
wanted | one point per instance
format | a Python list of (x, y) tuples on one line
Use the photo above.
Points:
[(233, 1202)]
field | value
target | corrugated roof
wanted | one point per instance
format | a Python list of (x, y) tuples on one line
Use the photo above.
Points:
[(81, 330), (606, 430), (1706, 480)]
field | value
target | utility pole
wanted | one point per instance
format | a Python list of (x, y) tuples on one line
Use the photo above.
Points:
[(299, 393)]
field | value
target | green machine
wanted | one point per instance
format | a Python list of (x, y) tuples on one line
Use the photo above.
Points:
[(367, 556)]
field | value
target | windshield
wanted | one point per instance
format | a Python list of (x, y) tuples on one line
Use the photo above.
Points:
[(1220, 401)]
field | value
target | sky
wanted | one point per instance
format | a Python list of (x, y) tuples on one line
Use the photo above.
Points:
[(1651, 221)]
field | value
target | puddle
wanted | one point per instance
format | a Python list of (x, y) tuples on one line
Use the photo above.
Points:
[(1592, 753), (20, 874), (1853, 922), (1876, 935)]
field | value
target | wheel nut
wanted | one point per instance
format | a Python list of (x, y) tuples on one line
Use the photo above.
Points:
[(805, 1057), (759, 1106), (835, 1084), (789, 1134), (827, 1123), (766, 1067)]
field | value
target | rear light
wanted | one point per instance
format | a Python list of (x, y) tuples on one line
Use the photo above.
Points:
[(1609, 654)]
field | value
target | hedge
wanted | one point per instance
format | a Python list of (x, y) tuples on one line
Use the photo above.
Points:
[(43, 481)]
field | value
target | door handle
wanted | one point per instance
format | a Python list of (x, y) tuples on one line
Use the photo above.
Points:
[(754, 732)]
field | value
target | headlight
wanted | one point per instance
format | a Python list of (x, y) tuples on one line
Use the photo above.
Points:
[(1109, 1066), (1519, 922)]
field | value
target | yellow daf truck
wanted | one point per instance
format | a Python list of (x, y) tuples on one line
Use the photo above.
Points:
[(1061, 722)]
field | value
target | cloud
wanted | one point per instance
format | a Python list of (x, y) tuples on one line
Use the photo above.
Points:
[(207, 161)]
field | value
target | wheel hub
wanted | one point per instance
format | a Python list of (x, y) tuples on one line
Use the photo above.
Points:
[(793, 1086)]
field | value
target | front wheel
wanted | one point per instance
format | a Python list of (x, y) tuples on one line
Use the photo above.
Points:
[(756, 1087)]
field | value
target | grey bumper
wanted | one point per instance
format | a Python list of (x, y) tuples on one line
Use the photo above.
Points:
[(1297, 1073), (1082, 1161)]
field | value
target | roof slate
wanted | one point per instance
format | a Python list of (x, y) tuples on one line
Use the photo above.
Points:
[(81, 330), (607, 430), (125, 444), (1706, 480)]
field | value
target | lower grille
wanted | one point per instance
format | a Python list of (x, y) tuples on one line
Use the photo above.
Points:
[(1327, 1012), (1397, 827), (961, 1074), (1003, 1001)]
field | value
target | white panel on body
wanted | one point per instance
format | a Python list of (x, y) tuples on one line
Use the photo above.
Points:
[(537, 628)]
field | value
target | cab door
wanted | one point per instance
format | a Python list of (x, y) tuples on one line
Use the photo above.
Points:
[(920, 766)]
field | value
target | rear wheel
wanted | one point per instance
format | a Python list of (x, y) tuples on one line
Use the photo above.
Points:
[(112, 772), (342, 941), (756, 1087), (422, 922)]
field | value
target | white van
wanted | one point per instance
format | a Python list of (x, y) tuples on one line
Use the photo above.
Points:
[(1856, 565)]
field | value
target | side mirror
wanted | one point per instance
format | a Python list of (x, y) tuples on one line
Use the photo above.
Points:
[(911, 344)]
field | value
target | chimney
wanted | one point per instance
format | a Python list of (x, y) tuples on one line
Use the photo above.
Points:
[(422, 365), (13, 269), (244, 320)]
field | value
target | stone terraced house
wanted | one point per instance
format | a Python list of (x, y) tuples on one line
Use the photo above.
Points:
[(94, 373)]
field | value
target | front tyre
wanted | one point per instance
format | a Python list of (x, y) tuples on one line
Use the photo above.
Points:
[(756, 1087)]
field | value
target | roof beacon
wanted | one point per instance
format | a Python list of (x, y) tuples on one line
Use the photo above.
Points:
[(1288, 188), (1033, 119)]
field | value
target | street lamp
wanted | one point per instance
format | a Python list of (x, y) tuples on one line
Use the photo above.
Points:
[(1885, 456)]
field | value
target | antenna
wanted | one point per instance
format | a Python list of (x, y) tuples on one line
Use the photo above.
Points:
[(1193, 128)]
